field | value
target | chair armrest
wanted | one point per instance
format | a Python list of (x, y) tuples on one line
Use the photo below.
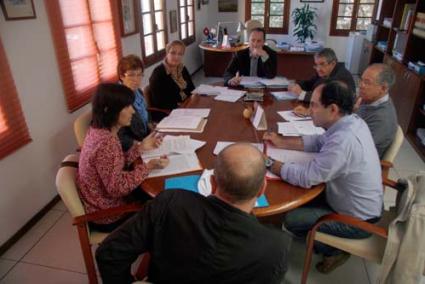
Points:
[(352, 221), (154, 109), (111, 212)]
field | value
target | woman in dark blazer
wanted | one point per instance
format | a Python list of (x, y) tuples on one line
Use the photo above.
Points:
[(170, 82)]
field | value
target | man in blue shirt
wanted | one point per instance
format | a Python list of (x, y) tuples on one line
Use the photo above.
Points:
[(346, 160)]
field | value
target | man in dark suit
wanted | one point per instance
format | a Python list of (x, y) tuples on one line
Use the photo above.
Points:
[(197, 239), (327, 68), (258, 60)]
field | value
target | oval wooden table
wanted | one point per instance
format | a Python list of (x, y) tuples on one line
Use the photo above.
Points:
[(226, 123)]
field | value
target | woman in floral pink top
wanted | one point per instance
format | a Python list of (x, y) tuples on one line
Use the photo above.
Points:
[(101, 178)]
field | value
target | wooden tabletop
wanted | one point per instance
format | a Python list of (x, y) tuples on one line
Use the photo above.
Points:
[(226, 123), (210, 47)]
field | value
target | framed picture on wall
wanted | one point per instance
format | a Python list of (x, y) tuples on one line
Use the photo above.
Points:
[(128, 15), (18, 9), (173, 21), (227, 5)]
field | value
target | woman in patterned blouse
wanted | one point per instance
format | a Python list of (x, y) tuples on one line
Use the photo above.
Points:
[(130, 73), (102, 179)]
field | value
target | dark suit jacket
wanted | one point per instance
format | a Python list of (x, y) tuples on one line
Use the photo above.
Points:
[(339, 73), (241, 62), (165, 94)]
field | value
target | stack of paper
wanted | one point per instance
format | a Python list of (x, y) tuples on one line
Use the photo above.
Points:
[(257, 82), (289, 156), (180, 150), (223, 144), (289, 115), (298, 128), (184, 120), (209, 90), (230, 95), (281, 96)]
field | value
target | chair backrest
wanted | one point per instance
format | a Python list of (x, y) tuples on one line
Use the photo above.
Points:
[(392, 151), (81, 126), (252, 24), (147, 95), (67, 188)]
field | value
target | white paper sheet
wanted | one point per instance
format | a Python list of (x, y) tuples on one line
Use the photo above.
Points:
[(275, 82), (287, 129), (284, 95), (289, 115), (175, 145), (202, 112), (178, 164), (179, 122), (230, 96), (206, 90), (307, 127), (289, 156), (223, 144)]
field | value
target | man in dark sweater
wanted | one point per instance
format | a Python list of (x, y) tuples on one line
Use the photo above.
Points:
[(257, 60), (327, 68), (376, 106), (197, 239)]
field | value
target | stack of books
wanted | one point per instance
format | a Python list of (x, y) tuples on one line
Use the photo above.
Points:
[(419, 29)]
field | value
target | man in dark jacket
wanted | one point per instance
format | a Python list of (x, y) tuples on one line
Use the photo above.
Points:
[(327, 68), (257, 60), (197, 239)]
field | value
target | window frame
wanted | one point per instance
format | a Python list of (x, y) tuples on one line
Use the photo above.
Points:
[(189, 39), (157, 55), (16, 136), (76, 99), (334, 17), (269, 30)]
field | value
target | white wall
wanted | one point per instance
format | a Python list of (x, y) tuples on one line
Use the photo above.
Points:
[(27, 176)]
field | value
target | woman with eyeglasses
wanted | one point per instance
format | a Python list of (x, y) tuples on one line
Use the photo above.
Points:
[(130, 74), (107, 176), (170, 83)]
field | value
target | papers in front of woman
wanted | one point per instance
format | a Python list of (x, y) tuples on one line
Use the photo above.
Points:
[(202, 112), (178, 164), (181, 144), (230, 95), (298, 128)]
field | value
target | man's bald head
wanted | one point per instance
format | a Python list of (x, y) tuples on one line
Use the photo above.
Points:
[(239, 172)]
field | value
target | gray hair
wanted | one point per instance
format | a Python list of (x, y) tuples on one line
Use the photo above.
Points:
[(328, 54), (386, 74)]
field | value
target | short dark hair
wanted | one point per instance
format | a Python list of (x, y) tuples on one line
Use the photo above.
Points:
[(261, 30), (337, 92), (328, 54), (108, 101), (240, 179), (129, 62)]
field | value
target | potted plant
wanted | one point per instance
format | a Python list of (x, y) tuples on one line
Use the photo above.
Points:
[(303, 18)]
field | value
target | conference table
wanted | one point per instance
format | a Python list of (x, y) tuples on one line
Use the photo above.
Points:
[(226, 123)]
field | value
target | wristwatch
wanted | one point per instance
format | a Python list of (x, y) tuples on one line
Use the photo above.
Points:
[(269, 163)]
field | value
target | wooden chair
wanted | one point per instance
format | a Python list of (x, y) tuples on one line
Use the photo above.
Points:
[(392, 151), (81, 126), (67, 189), (371, 248)]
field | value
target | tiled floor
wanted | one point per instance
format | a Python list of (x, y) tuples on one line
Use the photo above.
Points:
[(50, 252)]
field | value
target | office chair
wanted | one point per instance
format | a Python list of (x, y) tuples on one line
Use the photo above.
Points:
[(67, 189), (81, 126)]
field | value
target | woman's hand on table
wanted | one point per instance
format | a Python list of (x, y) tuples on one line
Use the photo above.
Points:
[(160, 163), (152, 141)]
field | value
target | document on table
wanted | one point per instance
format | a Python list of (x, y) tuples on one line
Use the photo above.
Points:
[(198, 129), (202, 112), (289, 115), (181, 144), (284, 96), (230, 95), (298, 128), (184, 121), (276, 82), (251, 81), (289, 156), (178, 164), (206, 90), (223, 144)]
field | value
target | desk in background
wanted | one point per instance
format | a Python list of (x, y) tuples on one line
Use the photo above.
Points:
[(226, 123), (296, 65)]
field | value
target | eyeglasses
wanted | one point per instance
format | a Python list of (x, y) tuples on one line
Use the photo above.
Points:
[(133, 74)]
